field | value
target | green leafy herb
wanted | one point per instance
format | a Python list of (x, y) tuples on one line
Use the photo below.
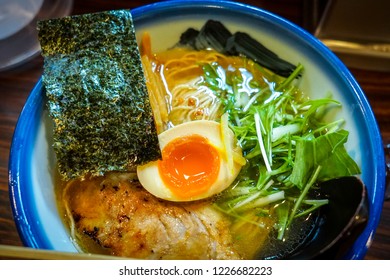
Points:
[(288, 146), (327, 151), (96, 93)]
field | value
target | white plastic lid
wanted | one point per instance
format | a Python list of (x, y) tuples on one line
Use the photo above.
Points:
[(16, 14), (18, 32)]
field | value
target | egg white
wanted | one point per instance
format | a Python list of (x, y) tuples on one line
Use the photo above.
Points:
[(149, 176)]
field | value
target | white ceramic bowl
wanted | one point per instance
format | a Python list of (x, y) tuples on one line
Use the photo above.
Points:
[(32, 159)]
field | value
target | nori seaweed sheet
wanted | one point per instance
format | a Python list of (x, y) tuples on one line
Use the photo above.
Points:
[(97, 95)]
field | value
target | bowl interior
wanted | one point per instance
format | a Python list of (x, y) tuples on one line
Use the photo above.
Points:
[(32, 160)]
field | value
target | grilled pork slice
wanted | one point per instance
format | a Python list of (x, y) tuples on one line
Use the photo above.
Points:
[(120, 216)]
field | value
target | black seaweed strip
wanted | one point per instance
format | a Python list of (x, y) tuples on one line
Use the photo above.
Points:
[(215, 35), (97, 95)]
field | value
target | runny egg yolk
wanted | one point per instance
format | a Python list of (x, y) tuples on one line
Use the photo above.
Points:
[(189, 165)]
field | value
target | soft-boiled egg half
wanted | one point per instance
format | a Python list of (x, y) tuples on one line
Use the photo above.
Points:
[(199, 159)]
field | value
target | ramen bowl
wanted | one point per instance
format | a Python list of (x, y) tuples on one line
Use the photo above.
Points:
[(32, 160)]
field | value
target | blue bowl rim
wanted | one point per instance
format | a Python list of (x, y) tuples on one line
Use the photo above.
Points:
[(25, 220)]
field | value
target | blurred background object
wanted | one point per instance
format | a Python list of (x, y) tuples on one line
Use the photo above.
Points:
[(16, 14), (358, 31), (18, 34)]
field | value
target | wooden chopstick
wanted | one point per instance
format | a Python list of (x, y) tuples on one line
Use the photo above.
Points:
[(25, 253)]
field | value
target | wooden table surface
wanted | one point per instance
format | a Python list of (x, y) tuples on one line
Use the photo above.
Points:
[(16, 84)]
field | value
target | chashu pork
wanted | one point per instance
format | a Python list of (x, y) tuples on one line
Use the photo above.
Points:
[(119, 215)]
